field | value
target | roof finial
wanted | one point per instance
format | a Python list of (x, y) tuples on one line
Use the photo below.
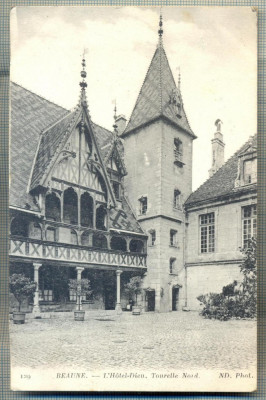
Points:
[(179, 77), (115, 118), (160, 31), (83, 83)]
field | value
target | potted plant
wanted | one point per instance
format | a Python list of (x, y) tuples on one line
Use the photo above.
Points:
[(22, 288), (80, 288), (133, 287)]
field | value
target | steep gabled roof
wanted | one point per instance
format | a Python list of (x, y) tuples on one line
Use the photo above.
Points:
[(30, 114), (154, 100), (222, 183)]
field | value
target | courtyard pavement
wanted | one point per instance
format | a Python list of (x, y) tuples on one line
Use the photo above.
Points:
[(157, 341)]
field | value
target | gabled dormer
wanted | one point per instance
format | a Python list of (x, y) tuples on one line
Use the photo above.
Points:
[(68, 164), (247, 164)]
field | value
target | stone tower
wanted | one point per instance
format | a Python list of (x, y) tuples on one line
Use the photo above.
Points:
[(158, 155), (217, 149)]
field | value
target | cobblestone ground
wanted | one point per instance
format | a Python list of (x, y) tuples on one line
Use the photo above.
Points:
[(160, 341)]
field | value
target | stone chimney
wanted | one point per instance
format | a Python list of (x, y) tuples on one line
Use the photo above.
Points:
[(121, 122), (217, 149)]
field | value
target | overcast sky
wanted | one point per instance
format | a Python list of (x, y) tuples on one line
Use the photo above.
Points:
[(215, 48)]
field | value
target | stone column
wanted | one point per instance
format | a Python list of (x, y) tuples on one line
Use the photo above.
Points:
[(79, 272), (118, 300), (36, 307)]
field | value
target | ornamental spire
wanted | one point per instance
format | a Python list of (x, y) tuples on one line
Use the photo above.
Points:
[(179, 78), (160, 31), (115, 124), (83, 83)]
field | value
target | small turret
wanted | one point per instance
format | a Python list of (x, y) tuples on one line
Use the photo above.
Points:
[(217, 149)]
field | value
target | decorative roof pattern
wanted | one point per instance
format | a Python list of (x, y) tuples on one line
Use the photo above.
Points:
[(156, 97), (222, 183), (30, 114)]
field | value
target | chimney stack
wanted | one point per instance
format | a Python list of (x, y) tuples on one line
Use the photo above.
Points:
[(217, 149), (121, 122)]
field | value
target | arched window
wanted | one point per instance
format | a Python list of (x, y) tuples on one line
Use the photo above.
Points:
[(74, 237), (136, 246), (118, 243), (99, 241), (101, 215), (70, 206), (19, 226), (52, 207), (86, 210)]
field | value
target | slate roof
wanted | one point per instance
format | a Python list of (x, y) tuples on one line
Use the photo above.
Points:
[(32, 115), (222, 183), (154, 97)]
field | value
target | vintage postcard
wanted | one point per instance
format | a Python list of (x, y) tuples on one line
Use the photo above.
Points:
[(133, 199)]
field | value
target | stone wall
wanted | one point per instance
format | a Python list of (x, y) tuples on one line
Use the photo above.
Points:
[(209, 272)]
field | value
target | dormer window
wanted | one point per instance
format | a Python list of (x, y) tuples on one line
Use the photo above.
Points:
[(250, 171), (178, 152), (247, 166)]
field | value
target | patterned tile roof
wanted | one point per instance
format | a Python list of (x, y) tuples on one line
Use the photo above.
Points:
[(32, 115), (156, 97), (222, 183)]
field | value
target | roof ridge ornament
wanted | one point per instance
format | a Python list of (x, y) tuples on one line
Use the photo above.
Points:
[(160, 31), (115, 124), (83, 83)]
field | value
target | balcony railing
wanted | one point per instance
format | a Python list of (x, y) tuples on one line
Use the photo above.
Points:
[(37, 249)]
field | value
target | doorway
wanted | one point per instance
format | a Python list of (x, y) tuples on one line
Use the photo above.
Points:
[(175, 298), (150, 300)]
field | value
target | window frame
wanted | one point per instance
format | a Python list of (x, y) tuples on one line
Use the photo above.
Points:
[(252, 219), (173, 238), (143, 205), (172, 261), (207, 225)]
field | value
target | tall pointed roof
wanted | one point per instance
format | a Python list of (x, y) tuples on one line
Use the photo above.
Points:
[(159, 96)]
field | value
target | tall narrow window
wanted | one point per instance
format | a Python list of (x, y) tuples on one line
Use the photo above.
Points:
[(152, 237), (173, 237), (143, 205), (172, 265), (207, 232), (177, 199), (249, 223), (178, 152)]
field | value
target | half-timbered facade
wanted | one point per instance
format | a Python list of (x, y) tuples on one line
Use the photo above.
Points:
[(69, 216)]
